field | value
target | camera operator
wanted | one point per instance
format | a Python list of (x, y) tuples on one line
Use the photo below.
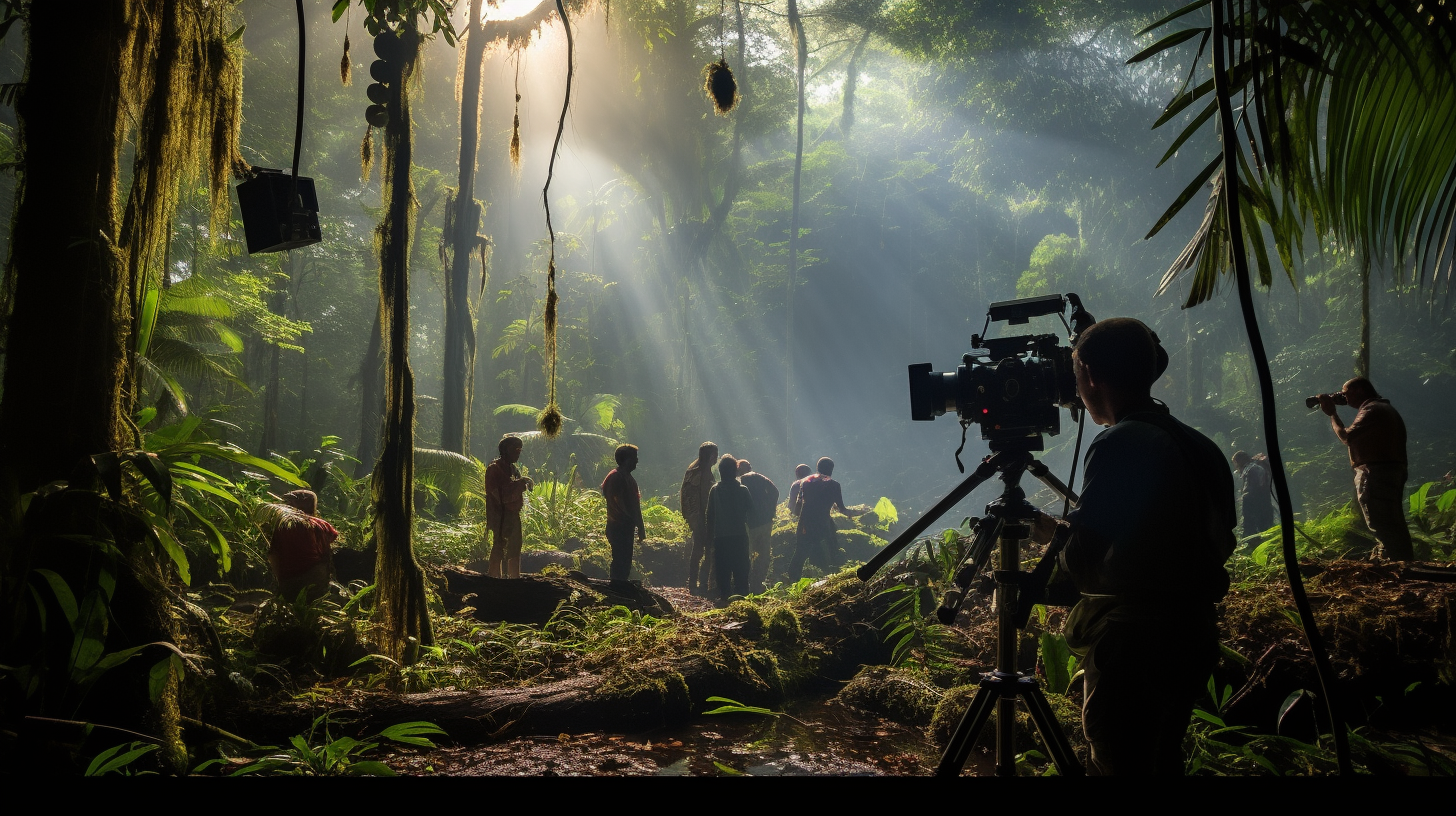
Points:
[(1147, 545), (1376, 440)]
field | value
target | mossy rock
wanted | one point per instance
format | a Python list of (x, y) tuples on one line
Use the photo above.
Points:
[(747, 614), (782, 629), (904, 696)]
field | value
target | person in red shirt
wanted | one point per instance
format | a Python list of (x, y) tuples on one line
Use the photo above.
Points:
[(818, 494), (299, 552), (505, 495), (624, 511)]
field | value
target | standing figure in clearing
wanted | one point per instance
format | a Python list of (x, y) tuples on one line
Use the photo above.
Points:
[(696, 485), (730, 506), (1254, 497), (505, 490), (624, 511), (818, 494), (760, 525), (801, 472)]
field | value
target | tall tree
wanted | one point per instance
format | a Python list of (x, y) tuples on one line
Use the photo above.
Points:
[(167, 73), (462, 226), (801, 57)]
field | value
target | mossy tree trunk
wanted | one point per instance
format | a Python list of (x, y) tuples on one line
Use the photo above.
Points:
[(459, 321), (371, 400), (400, 582)]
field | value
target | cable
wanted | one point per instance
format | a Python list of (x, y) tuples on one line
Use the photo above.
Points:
[(1229, 144), (1076, 455), (298, 119)]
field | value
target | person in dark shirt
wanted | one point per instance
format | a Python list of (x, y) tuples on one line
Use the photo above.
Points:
[(1146, 549), (624, 511), (1376, 440), (1254, 497), (801, 472), (818, 494), (730, 506), (300, 554), (760, 526), (693, 499)]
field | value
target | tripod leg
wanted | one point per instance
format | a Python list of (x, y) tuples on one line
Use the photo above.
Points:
[(1051, 731), (1006, 736), (958, 749)]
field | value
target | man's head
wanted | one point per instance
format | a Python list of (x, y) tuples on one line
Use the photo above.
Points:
[(626, 457), (1116, 362), (707, 452), (304, 500), (825, 466), (728, 468), (1240, 459), (801, 471), (1357, 391), (744, 467), (510, 448)]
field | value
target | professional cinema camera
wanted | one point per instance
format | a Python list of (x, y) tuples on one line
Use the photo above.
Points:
[(1011, 386)]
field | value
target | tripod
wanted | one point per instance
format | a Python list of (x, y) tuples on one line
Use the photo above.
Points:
[(1007, 522)]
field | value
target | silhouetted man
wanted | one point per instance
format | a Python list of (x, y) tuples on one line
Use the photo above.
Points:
[(730, 505), (505, 492), (1254, 495), (1146, 549), (624, 511), (818, 494), (800, 473), (1376, 441), (760, 524), (696, 484)]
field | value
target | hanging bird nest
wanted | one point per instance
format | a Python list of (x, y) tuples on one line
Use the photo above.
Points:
[(721, 87)]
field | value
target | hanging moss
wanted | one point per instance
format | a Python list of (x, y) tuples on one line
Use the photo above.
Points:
[(516, 123), (346, 67), (366, 153), (721, 87)]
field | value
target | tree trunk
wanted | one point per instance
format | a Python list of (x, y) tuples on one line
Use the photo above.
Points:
[(399, 580), (73, 297), (277, 304), (801, 53), (459, 322)]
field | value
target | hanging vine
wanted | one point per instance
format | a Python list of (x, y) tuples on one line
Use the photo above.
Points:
[(550, 420)]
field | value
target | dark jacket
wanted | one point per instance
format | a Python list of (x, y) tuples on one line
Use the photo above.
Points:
[(765, 497), (729, 507)]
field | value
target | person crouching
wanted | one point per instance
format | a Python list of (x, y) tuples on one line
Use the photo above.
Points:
[(300, 554)]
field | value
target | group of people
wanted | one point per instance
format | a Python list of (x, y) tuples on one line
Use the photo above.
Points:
[(730, 521), (1376, 443)]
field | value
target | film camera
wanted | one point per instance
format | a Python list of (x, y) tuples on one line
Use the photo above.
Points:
[(1313, 402), (1011, 386)]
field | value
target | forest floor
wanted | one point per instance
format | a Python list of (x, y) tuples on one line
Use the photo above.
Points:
[(835, 676)]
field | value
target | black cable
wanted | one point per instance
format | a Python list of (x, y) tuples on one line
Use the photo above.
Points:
[(1229, 143), (1076, 455), (298, 119)]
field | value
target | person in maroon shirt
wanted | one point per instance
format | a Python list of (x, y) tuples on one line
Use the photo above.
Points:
[(505, 491), (624, 511), (299, 551), (818, 494)]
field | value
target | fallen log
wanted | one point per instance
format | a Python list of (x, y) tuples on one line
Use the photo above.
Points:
[(535, 598)]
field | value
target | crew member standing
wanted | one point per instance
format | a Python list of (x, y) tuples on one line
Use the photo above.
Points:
[(505, 496), (760, 525), (730, 506), (693, 499), (624, 511), (1254, 497), (800, 474), (1147, 546), (1376, 441), (818, 494)]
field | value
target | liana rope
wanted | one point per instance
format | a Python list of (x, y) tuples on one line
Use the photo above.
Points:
[(550, 420)]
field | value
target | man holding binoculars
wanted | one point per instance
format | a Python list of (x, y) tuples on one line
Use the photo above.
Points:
[(1376, 441)]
